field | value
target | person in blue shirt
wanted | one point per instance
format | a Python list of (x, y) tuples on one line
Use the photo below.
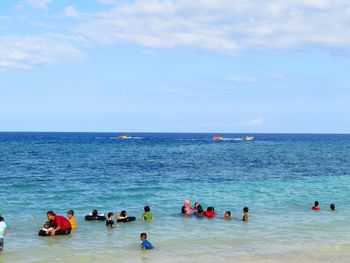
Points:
[(145, 244), (2, 232)]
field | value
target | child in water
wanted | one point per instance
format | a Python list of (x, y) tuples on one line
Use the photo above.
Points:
[(245, 214), (145, 243), (110, 220), (147, 215), (210, 213), (332, 207), (186, 208), (48, 227), (315, 206), (227, 215), (71, 219), (122, 215)]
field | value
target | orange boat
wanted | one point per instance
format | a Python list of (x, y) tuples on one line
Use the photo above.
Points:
[(217, 138), (124, 137)]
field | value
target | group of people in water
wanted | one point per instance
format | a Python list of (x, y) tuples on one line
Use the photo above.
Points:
[(198, 211), (60, 225)]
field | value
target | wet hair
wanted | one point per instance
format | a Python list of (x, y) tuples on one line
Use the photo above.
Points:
[(146, 208), (1, 218), (332, 206), (210, 209), (199, 209), (48, 224), (94, 212), (110, 214), (228, 212), (123, 213), (183, 209), (70, 212), (316, 203), (245, 209), (196, 205), (143, 235), (51, 213)]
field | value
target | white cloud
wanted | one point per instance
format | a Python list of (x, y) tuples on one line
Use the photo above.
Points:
[(237, 78), (70, 11), (24, 52), (224, 26), (254, 122), (38, 3)]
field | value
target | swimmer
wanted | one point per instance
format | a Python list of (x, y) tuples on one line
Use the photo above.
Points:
[(315, 206), (186, 208), (332, 207), (199, 210), (245, 214), (110, 220), (71, 219), (145, 243), (147, 215), (122, 215), (227, 215), (210, 213)]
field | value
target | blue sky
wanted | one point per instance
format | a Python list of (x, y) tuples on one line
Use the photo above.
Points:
[(175, 66)]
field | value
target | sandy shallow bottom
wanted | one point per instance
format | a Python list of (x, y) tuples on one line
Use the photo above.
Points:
[(334, 254)]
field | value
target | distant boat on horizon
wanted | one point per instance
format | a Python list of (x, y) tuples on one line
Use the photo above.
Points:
[(220, 138)]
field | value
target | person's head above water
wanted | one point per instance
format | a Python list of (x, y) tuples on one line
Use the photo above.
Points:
[(110, 214), (316, 203), (187, 203), (147, 208), (332, 207), (210, 209), (123, 213), (51, 215), (143, 236), (70, 213), (245, 209), (227, 214), (1, 218), (94, 212)]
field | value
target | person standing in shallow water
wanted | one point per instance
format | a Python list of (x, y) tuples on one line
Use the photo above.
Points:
[(3, 227), (71, 219), (245, 214), (147, 215)]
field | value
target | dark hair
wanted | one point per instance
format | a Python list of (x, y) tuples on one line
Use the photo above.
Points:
[(246, 209), (332, 206), (199, 209), (210, 209), (94, 212), (143, 235), (51, 213), (228, 212), (183, 209), (123, 213), (146, 208), (316, 203), (1, 218), (71, 212), (110, 214), (49, 223)]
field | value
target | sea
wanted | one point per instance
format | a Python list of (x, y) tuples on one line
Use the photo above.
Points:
[(277, 176)]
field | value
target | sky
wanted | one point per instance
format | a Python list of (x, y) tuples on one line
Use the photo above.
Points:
[(235, 66)]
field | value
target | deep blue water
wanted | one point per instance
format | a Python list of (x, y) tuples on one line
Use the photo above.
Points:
[(274, 174)]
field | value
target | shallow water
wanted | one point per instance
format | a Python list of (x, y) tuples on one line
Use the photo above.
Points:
[(277, 176)]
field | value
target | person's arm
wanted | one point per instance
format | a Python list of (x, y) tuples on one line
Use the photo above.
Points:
[(5, 231)]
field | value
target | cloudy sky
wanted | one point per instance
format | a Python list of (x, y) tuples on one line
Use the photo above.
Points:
[(175, 65)]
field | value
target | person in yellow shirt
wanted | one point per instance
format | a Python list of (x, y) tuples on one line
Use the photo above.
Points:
[(71, 219)]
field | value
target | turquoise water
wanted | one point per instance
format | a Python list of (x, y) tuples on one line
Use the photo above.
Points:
[(278, 176)]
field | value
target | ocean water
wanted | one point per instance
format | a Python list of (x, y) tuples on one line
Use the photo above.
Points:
[(278, 176)]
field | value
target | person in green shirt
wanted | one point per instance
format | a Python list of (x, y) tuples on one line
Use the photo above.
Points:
[(147, 215)]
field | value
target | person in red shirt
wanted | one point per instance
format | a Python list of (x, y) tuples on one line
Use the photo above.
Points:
[(210, 213), (315, 207), (62, 225)]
